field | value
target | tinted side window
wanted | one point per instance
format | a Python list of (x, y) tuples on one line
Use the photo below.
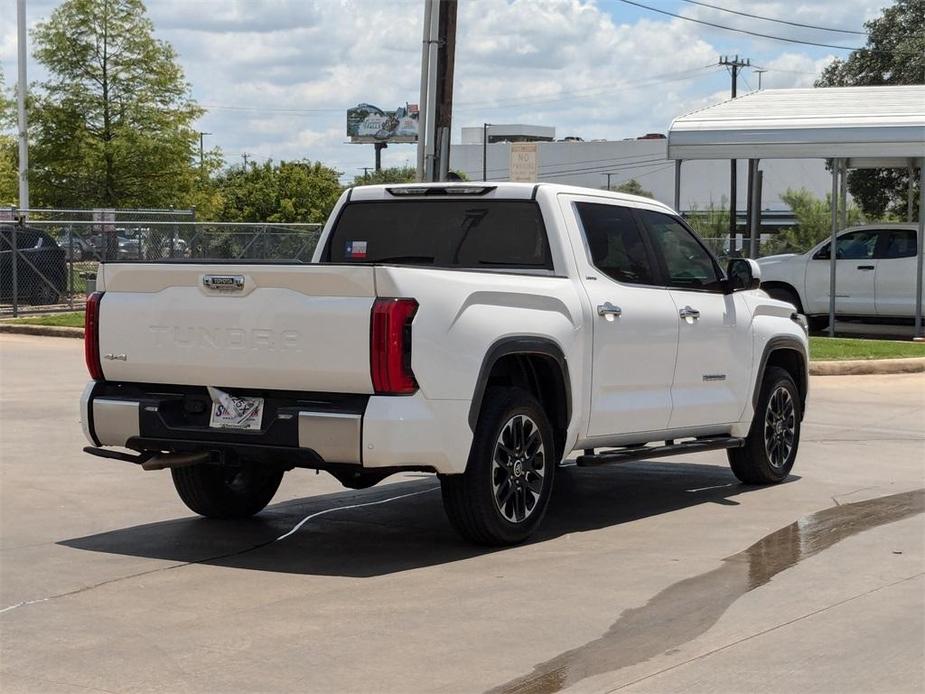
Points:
[(442, 233), (855, 245), (25, 238), (616, 246), (898, 243), (688, 264)]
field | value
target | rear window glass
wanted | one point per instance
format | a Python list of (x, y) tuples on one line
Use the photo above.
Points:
[(444, 233)]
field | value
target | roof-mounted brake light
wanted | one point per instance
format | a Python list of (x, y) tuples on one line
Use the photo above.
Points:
[(441, 190)]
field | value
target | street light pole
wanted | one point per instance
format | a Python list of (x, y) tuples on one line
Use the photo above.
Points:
[(485, 127), (21, 99), (202, 168)]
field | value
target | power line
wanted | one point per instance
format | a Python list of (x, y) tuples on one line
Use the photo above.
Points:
[(607, 164), (741, 31), (508, 103), (605, 169), (593, 91), (779, 21)]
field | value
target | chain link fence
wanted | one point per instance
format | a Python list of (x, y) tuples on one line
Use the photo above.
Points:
[(49, 258)]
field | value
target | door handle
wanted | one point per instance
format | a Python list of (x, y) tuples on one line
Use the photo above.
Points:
[(608, 309), (865, 267), (688, 312)]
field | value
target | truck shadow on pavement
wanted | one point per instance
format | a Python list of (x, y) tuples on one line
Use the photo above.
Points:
[(382, 538)]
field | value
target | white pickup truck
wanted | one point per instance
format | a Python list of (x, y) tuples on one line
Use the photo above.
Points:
[(875, 274), (482, 332)]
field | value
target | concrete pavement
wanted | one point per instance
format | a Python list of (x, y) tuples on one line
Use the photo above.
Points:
[(654, 576)]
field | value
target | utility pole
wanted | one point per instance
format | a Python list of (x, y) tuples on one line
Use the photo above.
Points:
[(202, 166), (436, 102), (760, 71), (366, 170), (735, 64), (21, 99), (446, 68), (608, 181), (244, 156)]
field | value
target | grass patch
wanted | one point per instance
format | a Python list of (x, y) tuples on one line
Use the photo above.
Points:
[(839, 349), (74, 319)]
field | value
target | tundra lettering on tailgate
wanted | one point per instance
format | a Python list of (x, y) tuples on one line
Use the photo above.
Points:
[(198, 337)]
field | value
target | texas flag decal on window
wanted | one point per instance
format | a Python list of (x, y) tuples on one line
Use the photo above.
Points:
[(356, 250)]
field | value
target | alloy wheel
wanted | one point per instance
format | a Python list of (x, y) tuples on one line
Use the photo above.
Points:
[(779, 427), (518, 468)]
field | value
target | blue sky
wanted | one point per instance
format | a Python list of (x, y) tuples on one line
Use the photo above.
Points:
[(277, 75)]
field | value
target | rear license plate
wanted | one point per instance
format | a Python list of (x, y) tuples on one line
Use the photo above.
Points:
[(247, 414)]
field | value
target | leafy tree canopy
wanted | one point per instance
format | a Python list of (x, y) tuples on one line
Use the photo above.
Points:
[(397, 174), (633, 187), (894, 54), (814, 222), (113, 125), (294, 191), (9, 168)]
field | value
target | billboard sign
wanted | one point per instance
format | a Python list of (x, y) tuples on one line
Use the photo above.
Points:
[(524, 162), (367, 123)]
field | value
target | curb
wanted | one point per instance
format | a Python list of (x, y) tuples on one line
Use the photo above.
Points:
[(45, 330), (866, 367)]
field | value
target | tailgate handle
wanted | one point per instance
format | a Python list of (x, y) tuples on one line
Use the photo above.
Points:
[(223, 283)]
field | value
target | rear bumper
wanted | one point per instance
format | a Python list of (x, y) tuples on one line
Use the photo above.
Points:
[(298, 429)]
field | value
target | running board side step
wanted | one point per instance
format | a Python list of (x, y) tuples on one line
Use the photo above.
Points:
[(625, 455)]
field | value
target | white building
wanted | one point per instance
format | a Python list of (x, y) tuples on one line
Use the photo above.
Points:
[(704, 183)]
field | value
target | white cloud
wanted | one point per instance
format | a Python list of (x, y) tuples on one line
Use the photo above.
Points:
[(566, 63)]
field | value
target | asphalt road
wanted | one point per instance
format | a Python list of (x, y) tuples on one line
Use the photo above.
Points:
[(664, 576)]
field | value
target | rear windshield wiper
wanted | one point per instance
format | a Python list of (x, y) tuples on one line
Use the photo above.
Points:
[(405, 259)]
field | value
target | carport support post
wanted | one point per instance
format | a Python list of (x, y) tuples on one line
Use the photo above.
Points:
[(753, 251), (843, 187), (921, 252), (836, 169), (910, 191), (677, 185)]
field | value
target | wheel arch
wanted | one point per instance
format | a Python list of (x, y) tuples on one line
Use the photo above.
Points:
[(778, 284), (539, 366), (789, 354)]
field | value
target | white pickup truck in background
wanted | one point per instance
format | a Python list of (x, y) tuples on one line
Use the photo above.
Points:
[(481, 332), (875, 275)]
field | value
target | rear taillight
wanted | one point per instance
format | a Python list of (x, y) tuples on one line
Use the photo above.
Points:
[(390, 346), (92, 336)]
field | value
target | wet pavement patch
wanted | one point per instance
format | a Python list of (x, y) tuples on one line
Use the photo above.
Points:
[(686, 610)]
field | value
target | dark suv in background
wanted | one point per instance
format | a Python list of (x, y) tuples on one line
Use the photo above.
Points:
[(41, 268)]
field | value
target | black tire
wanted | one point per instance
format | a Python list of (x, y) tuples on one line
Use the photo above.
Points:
[(45, 294), (785, 294), (817, 323), (225, 491), (473, 501), (769, 462)]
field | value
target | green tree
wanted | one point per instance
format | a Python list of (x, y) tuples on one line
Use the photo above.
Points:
[(113, 125), (814, 222), (894, 54), (9, 167), (397, 174), (293, 191), (633, 187)]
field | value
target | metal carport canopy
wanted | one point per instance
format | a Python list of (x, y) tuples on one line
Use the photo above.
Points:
[(856, 127), (883, 124)]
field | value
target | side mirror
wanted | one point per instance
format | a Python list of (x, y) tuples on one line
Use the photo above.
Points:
[(742, 274)]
